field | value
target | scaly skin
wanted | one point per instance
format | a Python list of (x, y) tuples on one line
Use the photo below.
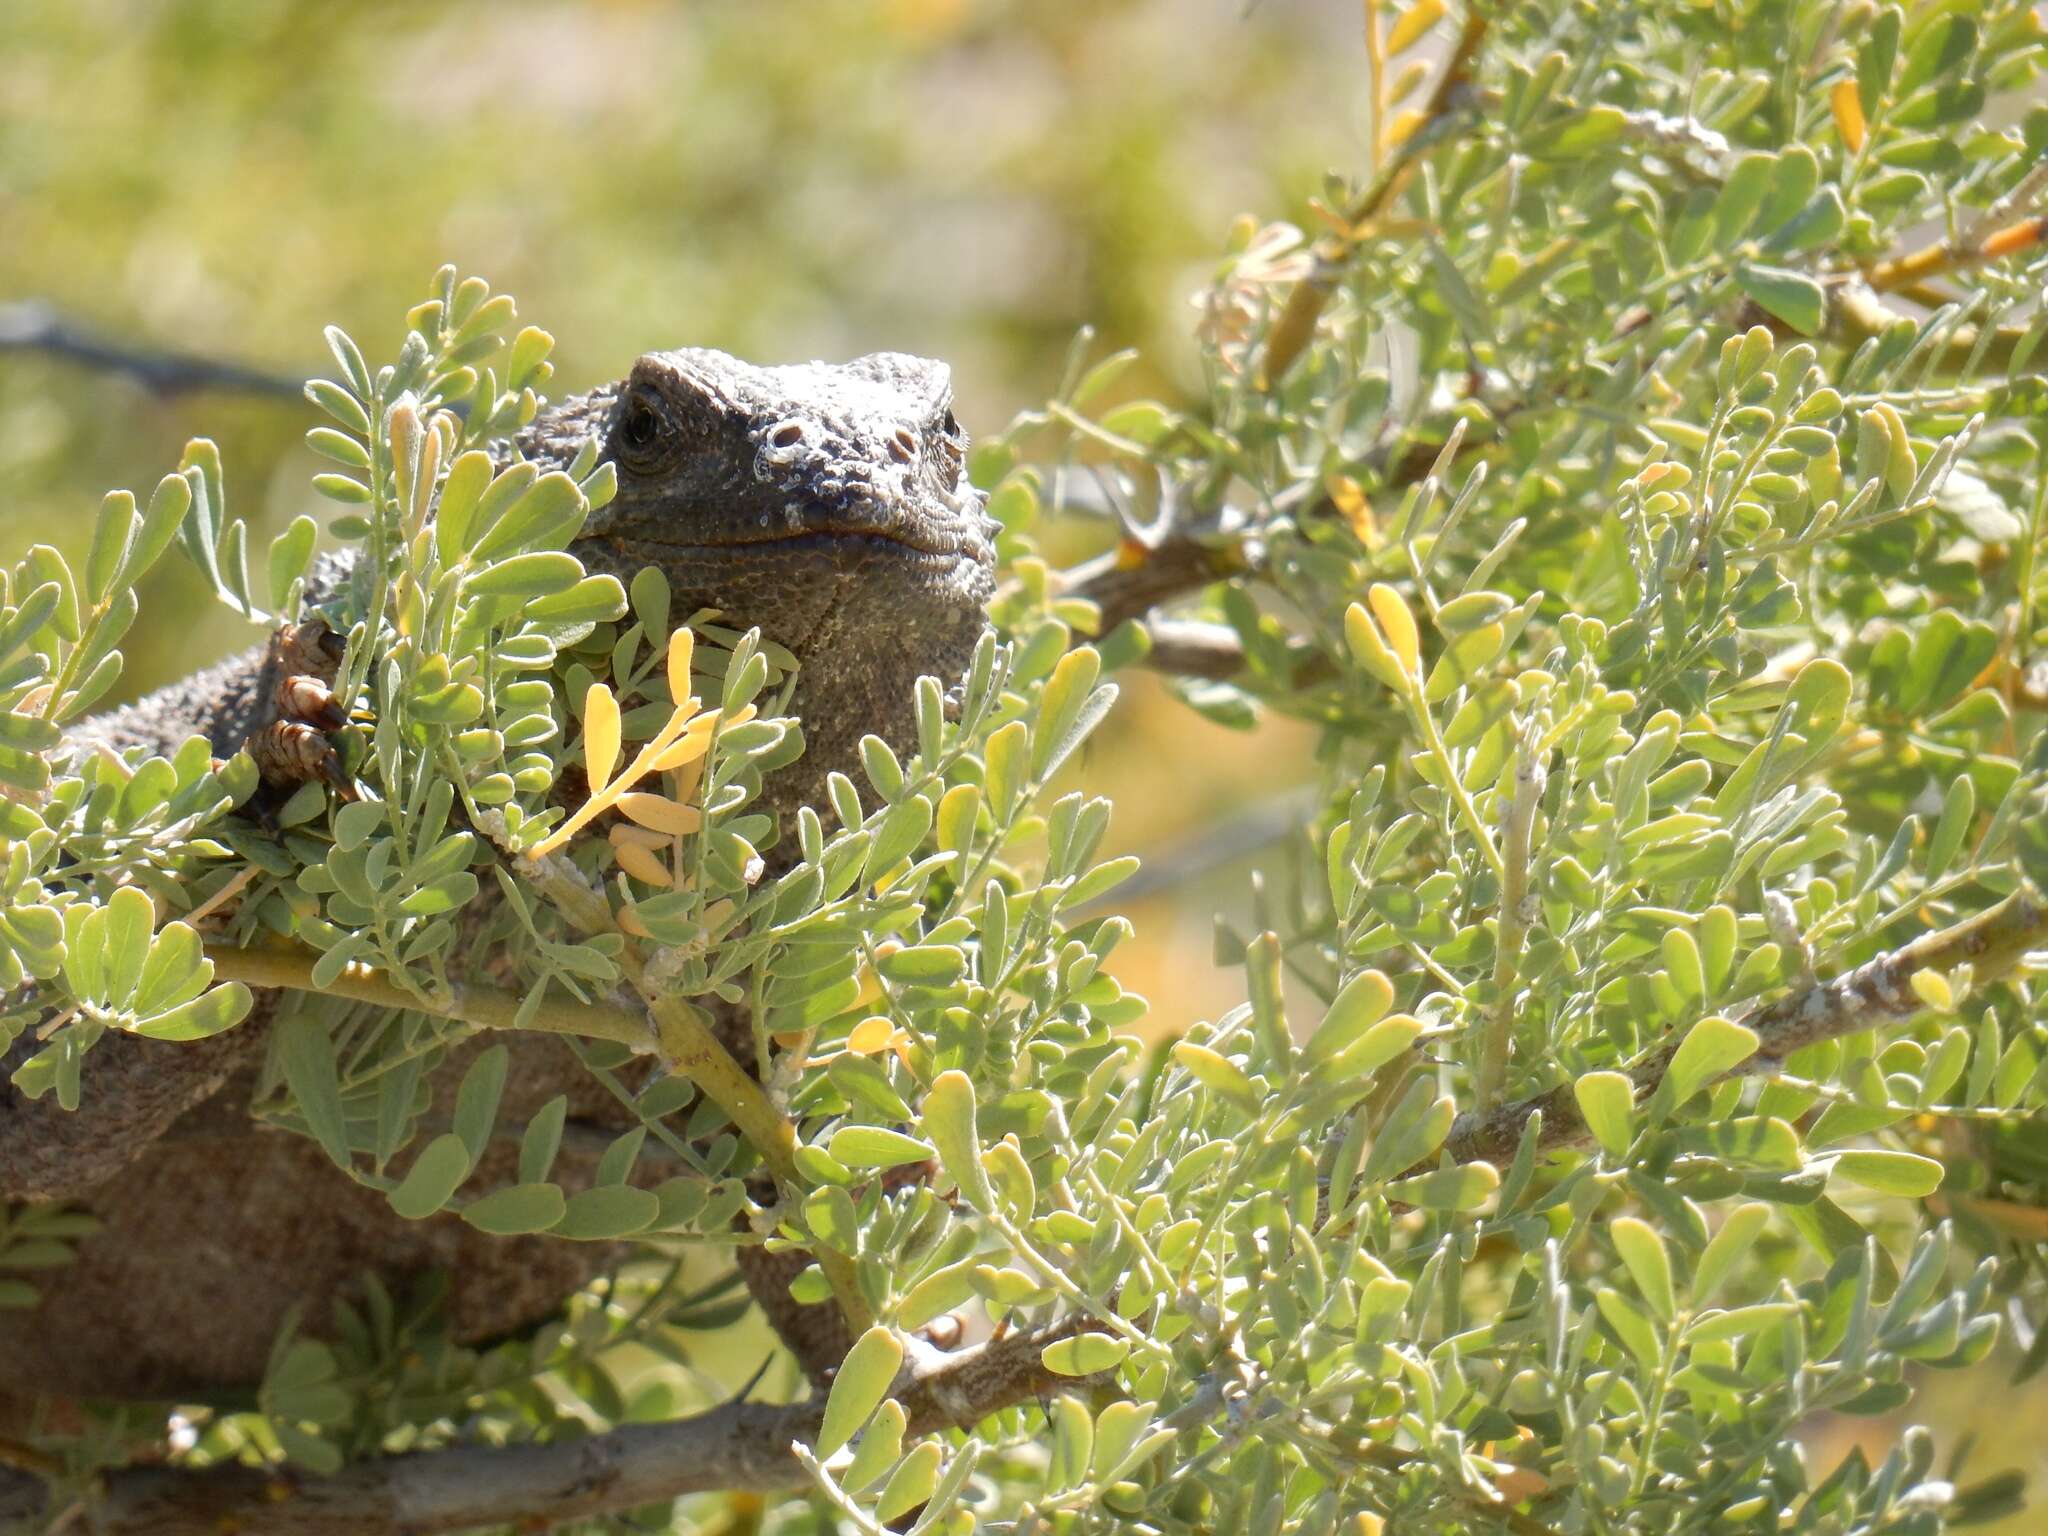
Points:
[(827, 505)]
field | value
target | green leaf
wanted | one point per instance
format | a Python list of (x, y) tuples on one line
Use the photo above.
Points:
[(519, 1208), (878, 762), (1727, 1248), (880, 1446), (476, 1101), (1792, 297), (168, 505), (1891, 1173), (1060, 705), (1464, 1188), (1710, 1048), (874, 1146), (1631, 1324), (940, 1291), (130, 916), (433, 1178), (176, 971), (1578, 135), (1099, 881), (291, 555), (442, 895), (534, 575), (1607, 1101), (1219, 1074), (1739, 1322), (608, 1212), (208, 1014), (542, 1139), (1384, 1042), (546, 515), (863, 1380), (1649, 1264), (1359, 1004), (949, 1120), (912, 1484), (307, 1054), (1085, 1354), (925, 965), (113, 535)]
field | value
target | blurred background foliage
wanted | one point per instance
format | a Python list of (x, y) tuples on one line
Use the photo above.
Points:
[(970, 179)]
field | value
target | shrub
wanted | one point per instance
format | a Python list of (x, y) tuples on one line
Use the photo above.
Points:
[(1637, 482)]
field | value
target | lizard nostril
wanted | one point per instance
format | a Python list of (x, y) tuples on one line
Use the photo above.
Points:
[(902, 447)]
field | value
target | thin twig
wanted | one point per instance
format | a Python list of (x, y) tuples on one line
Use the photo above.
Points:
[(1512, 929), (33, 326), (1291, 332)]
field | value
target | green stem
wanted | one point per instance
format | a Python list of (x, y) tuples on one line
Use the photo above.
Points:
[(484, 1007)]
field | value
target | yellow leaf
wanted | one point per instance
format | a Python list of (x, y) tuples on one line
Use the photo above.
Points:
[(1412, 75), (641, 864), (683, 787), (680, 645), (600, 735), (1398, 624), (870, 983), (2015, 237), (1348, 496), (621, 833), (870, 1035), (1415, 21), (662, 814), (1848, 106), (693, 745), (1405, 122)]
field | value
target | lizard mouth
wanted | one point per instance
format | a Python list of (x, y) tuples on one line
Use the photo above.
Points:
[(936, 547), (817, 538)]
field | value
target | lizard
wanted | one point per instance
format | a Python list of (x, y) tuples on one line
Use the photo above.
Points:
[(826, 504)]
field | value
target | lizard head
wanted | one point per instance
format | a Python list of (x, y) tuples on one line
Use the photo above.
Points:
[(827, 504)]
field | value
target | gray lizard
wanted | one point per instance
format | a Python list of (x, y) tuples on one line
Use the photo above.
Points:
[(828, 505)]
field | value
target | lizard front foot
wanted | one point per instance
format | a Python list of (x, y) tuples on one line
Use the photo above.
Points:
[(293, 743)]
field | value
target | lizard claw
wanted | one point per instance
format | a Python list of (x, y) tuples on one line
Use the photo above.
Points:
[(291, 743)]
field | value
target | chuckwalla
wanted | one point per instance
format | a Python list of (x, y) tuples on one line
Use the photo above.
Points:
[(828, 505)]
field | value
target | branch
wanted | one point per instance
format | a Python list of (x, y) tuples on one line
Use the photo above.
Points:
[(36, 327), (1879, 991), (737, 1447), (1297, 322), (1129, 580), (485, 1007), (688, 1046)]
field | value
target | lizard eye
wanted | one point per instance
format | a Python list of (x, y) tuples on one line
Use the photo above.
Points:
[(642, 432), (952, 443)]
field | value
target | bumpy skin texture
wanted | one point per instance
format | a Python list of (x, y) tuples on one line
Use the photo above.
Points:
[(826, 504)]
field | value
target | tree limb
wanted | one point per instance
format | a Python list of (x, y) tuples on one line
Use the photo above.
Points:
[(1879, 991), (33, 326), (736, 1447)]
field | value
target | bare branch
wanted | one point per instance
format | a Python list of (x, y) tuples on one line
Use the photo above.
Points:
[(34, 326), (1129, 580), (737, 1447), (1877, 992), (1191, 648)]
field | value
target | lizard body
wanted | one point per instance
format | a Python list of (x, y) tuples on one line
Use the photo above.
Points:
[(826, 504)]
